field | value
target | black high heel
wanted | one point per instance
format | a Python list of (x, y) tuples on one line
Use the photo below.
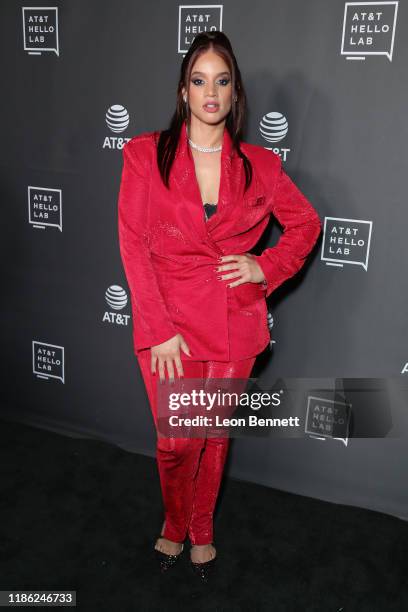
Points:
[(167, 561), (203, 570)]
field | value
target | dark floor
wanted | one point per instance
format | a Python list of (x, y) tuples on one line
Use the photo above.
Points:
[(83, 515)]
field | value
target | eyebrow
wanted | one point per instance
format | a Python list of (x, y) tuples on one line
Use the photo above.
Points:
[(203, 73)]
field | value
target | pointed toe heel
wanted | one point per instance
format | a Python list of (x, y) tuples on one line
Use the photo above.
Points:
[(167, 561), (203, 570)]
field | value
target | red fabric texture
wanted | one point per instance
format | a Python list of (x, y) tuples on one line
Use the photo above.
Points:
[(170, 252), (191, 469)]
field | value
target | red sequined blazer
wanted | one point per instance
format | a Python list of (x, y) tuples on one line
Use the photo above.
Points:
[(169, 251)]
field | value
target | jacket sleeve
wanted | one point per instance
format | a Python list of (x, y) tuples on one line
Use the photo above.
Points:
[(301, 228), (152, 324)]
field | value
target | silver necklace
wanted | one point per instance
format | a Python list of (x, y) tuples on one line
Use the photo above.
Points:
[(204, 149)]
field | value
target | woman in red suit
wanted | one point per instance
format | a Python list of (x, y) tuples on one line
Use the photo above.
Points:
[(193, 201)]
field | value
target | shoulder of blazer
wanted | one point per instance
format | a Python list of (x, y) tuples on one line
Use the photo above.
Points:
[(141, 147), (266, 163), (145, 140), (261, 156)]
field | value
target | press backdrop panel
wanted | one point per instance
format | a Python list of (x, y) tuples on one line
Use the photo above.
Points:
[(82, 78)]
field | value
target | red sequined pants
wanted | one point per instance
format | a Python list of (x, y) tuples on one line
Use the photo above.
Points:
[(190, 469)]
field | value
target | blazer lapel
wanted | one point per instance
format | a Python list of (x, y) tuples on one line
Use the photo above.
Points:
[(188, 191)]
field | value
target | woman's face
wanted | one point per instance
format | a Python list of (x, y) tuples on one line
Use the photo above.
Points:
[(210, 82)]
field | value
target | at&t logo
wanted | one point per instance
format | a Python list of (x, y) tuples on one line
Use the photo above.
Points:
[(274, 127), (117, 119), (116, 299)]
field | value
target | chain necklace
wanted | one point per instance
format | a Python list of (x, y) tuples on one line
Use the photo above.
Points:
[(204, 149)]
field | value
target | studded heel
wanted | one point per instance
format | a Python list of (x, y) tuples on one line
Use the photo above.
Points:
[(166, 561), (203, 570)]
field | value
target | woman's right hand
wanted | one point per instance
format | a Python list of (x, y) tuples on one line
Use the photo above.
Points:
[(167, 352)]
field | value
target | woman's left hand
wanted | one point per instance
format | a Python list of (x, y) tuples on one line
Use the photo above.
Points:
[(245, 269)]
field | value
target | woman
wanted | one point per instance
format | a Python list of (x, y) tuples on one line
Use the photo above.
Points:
[(194, 199)]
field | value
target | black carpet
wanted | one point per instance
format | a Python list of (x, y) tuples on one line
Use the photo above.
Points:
[(80, 514)]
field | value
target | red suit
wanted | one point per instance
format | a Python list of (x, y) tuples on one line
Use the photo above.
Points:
[(170, 252)]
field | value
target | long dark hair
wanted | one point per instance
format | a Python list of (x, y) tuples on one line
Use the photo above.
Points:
[(168, 139)]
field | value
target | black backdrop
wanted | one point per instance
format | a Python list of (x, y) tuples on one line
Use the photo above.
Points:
[(84, 77)]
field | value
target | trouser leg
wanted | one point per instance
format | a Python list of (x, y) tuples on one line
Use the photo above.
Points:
[(212, 461), (177, 458)]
